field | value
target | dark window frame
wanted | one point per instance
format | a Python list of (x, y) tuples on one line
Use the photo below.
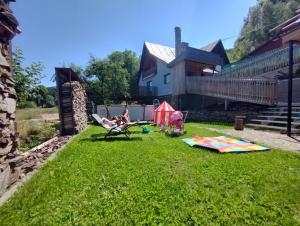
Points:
[(165, 78), (149, 84)]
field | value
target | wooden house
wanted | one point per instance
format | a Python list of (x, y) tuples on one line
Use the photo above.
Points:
[(163, 69), (200, 77), (155, 75)]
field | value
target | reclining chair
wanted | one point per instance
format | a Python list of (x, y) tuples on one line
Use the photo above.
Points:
[(114, 129)]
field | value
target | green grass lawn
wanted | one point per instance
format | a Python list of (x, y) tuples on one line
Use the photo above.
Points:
[(154, 179)]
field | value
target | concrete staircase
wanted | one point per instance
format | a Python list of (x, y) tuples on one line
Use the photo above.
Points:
[(275, 118)]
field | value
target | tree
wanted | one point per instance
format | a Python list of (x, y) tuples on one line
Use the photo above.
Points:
[(129, 61), (42, 97), (112, 79), (25, 77), (262, 17), (52, 91)]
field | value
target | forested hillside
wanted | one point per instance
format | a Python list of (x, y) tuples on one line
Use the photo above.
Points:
[(262, 17)]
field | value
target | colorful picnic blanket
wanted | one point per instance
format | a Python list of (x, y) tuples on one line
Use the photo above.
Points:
[(223, 144)]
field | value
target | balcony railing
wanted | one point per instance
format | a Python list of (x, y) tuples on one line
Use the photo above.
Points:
[(260, 91), (261, 64), (148, 91), (242, 81), (149, 72)]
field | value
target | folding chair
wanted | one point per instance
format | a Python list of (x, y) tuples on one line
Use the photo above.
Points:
[(115, 129), (185, 114)]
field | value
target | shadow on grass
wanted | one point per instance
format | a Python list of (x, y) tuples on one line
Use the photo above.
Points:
[(212, 123), (120, 137), (116, 138)]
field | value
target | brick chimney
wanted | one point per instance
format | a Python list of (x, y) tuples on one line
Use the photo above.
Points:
[(183, 47), (177, 41)]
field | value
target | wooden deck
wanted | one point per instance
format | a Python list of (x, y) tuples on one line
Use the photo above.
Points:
[(251, 80), (260, 91), (271, 61)]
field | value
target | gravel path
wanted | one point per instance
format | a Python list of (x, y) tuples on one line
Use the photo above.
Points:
[(49, 117), (269, 138)]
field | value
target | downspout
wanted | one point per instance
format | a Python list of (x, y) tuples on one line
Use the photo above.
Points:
[(290, 88)]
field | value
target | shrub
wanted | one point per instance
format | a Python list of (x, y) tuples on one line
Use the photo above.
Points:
[(27, 104), (33, 133)]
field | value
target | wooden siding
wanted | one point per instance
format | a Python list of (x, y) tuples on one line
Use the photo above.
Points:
[(260, 91), (295, 35), (149, 65), (195, 68), (178, 79)]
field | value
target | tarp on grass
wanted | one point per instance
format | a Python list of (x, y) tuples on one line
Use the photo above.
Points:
[(224, 144)]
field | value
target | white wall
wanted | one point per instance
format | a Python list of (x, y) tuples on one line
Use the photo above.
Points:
[(158, 79), (149, 113), (136, 112)]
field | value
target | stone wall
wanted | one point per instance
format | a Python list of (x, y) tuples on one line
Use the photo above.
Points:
[(8, 134), (217, 113), (195, 102)]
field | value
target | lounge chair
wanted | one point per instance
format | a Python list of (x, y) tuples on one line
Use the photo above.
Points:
[(185, 114), (115, 129)]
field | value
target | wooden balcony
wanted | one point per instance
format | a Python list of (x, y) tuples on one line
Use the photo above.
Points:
[(245, 80), (255, 66), (146, 91), (149, 72), (260, 91)]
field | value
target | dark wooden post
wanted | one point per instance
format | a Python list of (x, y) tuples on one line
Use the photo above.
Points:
[(290, 89), (72, 104), (59, 98)]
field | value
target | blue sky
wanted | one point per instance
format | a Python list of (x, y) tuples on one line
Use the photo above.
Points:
[(58, 32)]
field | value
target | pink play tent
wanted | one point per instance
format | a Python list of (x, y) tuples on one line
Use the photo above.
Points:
[(163, 114)]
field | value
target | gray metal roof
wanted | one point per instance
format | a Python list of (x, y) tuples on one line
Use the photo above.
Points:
[(164, 53), (203, 55), (210, 46), (198, 56)]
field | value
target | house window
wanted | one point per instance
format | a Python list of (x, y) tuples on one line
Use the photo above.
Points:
[(167, 78), (149, 84)]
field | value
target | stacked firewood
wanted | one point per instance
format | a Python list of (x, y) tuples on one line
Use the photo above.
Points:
[(73, 107), (17, 167)]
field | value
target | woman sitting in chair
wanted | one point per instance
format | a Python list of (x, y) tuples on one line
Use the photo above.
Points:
[(122, 119), (108, 122), (114, 122)]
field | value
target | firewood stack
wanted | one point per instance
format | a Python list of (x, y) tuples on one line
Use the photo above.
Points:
[(73, 107), (8, 135)]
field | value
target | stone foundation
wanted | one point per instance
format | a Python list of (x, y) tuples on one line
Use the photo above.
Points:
[(216, 113)]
